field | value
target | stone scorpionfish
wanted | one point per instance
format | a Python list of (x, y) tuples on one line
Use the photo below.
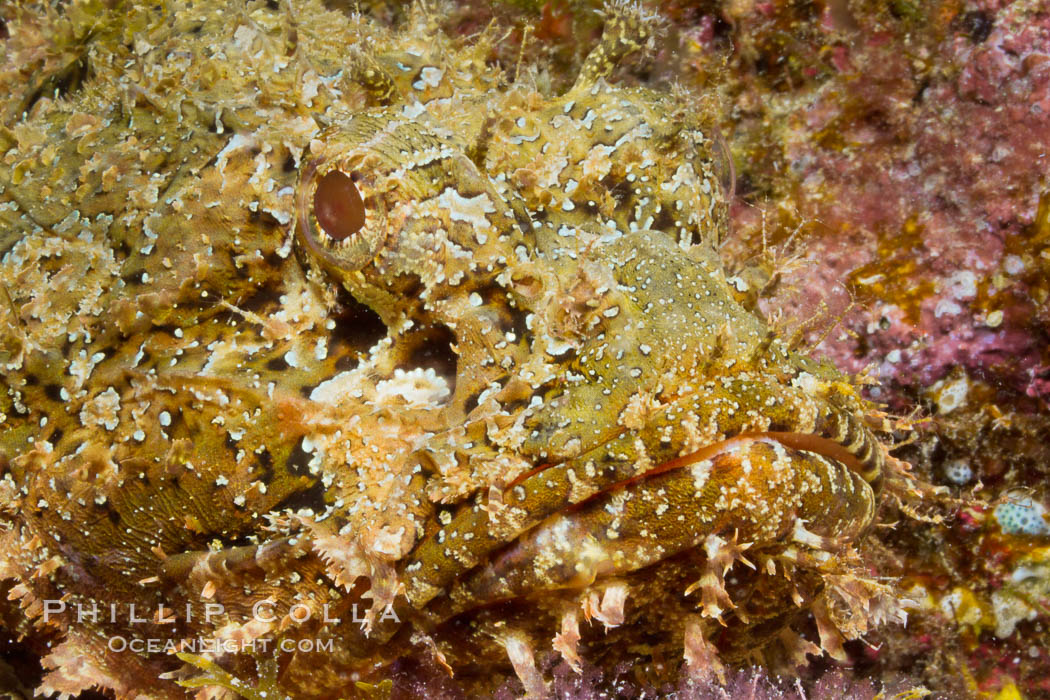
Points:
[(307, 311)]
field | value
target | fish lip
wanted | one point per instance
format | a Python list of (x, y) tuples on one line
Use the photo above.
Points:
[(806, 442)]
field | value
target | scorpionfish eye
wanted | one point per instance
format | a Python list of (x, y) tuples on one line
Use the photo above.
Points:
[(338, 206)]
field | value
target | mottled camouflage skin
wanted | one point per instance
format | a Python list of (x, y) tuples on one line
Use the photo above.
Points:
[(523, 395)]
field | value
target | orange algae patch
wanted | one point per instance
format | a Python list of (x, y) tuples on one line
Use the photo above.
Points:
[(893, 275)]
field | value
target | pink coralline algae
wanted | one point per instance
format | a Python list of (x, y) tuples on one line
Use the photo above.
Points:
[(920, 170)]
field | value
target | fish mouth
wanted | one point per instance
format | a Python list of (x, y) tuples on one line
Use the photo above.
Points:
[(835, 448), (769, 490)]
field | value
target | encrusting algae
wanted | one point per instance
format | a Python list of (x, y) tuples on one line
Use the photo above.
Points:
[(328, 345)]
